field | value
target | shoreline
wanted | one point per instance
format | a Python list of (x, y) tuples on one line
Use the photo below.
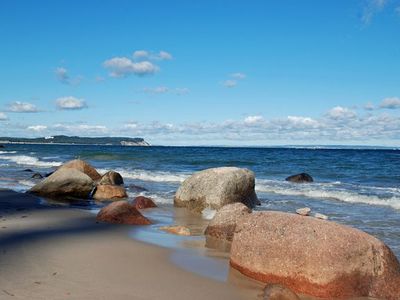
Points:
[(62, 253)]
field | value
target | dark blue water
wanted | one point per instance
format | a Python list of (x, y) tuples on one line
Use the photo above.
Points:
[(359, 187)]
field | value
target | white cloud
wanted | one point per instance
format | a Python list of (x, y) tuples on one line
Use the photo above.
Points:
[(123, 66), (369, 106), (251, 120), (340, 112), (62, 75), (390, 103), (163, 55), (22, 107), (302, 121), (37, 128), (141, 54), (238, 75), (3, 116), (166, 90), (80, 129), (70, 103), (230, 83), (371, 8), (156, 90)]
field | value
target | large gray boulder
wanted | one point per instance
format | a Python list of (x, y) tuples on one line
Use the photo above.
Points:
[(314, 257), (216, 187), (65, 183), (83, 167)]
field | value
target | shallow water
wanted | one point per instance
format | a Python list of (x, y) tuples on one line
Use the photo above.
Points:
[(358, 187)]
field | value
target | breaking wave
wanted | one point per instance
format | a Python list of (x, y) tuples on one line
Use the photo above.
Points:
[(26, 160), (336, 191)]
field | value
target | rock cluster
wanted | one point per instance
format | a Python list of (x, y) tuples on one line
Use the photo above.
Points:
[(77, 179)]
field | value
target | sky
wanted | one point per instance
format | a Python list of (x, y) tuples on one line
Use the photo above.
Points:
[(246, 73)]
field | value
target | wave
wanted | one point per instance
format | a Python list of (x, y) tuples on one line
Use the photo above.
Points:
[(7, 152), (335, 190), (30, 161), (154, 176)]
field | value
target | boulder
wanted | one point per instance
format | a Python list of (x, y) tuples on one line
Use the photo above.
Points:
[(65, 182), (320, 216), (216, 187), (82, 166), (136, 188), (111, 177), (220, 230), (278, 292), (305, 211), (300, 178), (37, 176), (108, 192), (141, 202), (178, 230), (314, 257), (28, 170), (121, 212)]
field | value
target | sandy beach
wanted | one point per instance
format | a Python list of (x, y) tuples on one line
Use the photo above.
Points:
[(62, 253)]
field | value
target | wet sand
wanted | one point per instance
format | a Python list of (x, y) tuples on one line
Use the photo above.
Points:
[(62, 253)]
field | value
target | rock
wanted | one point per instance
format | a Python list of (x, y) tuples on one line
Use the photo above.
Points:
[(314, 257), (108, 192), (37, 176), (28, 170), (141, 202), (48, 174), (220, 230), (111, 177), (320, 216), (300, 178), (65, 182), (2, 146), (136, 188), (215, 188), (305, 211), (121, 212), (82, 166), (178, 230), (279, 292)]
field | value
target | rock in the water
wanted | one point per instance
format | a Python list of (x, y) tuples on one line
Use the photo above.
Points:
[(217, 187), (300, 178), (219, 233), (111, 177), (178, 230), (314, 257), (108, 192), (121, 212), (279, 292), (141, 202), (136, 188), (28, 170), (320, 216), (82, 166), (65, 182), (305, 211), (37, 176)]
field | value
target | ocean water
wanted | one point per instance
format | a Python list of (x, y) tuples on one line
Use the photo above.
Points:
[(357, 187)]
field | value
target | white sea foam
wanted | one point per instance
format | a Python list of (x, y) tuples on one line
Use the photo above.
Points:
[(30, 161), (208, 213), (7, 152), (158, 198), (27, 183), (154, 176), (386, 196)]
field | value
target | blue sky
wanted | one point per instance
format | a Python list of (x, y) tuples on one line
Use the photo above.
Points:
[(203, 72)]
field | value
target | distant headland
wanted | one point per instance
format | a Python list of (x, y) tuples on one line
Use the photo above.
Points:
[(76, 140)]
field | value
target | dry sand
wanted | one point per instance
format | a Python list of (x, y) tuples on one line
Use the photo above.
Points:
[(62, 253)]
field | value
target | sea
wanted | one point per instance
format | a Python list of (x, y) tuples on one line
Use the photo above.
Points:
[(359, 187)]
